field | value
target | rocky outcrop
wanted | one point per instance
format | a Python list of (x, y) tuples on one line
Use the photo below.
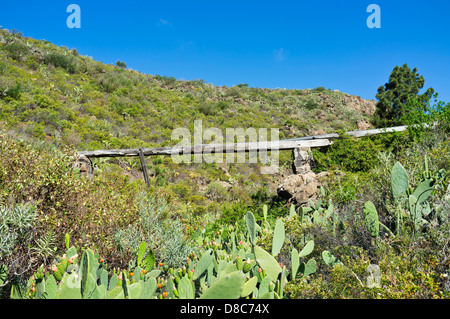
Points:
[(84, 164), (304, 184), (353, 102), (363, 125), (299, 188), (359, 104), (303, 160)]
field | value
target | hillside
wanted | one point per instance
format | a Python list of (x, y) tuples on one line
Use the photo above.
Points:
[(54, 102), (53, 94)]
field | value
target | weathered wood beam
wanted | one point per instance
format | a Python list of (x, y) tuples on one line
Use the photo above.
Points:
[(361, 133), (287, 144), (144, 167), (210, 148)]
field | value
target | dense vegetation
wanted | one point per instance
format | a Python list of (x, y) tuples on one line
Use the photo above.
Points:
[(384, 206), (396, 96)]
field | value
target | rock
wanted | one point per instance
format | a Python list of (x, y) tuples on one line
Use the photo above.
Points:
[(319, 132), (84, 164), (303, 160), (360, 105), (299, 188), (363, 125), (226, 185), (304, 184)]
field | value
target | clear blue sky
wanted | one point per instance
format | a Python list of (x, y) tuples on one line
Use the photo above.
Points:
[(271, 44)]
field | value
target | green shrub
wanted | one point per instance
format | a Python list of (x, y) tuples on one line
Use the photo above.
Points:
[(156, 226), (90, 211), (222, 105), (62, 61), (17, 51), (216, 192), (109, 82), (311, 104), (13, 92), (402, 277), (349, 154), (121, 64), (208, 108)]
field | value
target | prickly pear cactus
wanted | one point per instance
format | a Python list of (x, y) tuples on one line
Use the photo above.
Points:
[(268, 263), (202, 264), (186, 288), (3, 273), (278, 237), (399, 182), (251, 227), (51, 288), (371, 219), (423, 191), (228, 287), (249, 286), (295, 263), (309, 268), (309, 247), (69, 287)]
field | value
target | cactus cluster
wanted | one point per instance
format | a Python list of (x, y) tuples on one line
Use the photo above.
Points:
[(88, 278), (410, 203), (229, 266), (234, 267), (413, 200)]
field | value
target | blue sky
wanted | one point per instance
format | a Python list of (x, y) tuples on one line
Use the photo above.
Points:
[(270, 44)]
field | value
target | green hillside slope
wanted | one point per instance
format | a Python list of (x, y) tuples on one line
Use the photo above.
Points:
[(53, 94), (383, 205)]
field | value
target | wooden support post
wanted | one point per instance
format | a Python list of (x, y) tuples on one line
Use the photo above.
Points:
[(144, 167)]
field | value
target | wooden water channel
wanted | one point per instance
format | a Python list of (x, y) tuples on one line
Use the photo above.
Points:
[(287, 144)]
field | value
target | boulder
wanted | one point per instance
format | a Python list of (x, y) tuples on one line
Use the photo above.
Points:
[(84, 164), (304, 184), (363, 125), (299, 188)]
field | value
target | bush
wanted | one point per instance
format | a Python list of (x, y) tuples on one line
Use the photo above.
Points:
[(403, 276), (222, 105), (61, 61), (216, 192), (13, 92), (157, 227), (17, 51), (349, 154), (90, 211), (311, 104), (208, 108), (121, 64)]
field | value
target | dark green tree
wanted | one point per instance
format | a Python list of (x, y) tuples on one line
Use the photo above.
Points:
[(404, 85), (121, 64)]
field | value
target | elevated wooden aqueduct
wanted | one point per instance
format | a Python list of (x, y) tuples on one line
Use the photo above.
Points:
[(85, 165)]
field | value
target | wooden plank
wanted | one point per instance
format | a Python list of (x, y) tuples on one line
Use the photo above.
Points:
[(287, 144), (210, 148), (144, 167), (360, 133)]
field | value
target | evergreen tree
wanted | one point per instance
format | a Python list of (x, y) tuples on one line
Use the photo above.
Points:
[(404, 85)]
